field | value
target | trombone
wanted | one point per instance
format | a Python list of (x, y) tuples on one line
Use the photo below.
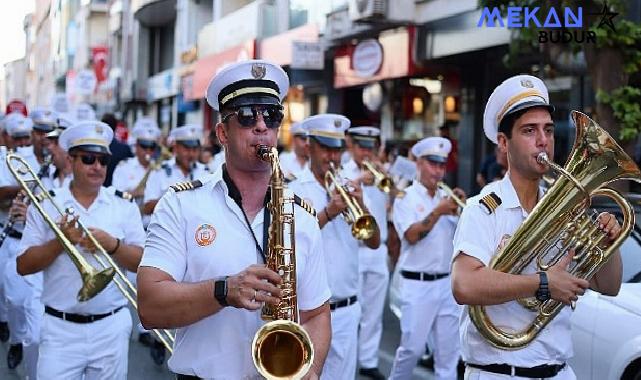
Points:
[(93, 281), (450, 193), (382, 180), (363, 225)]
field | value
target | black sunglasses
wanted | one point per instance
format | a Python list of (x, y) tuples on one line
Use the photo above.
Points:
[(90, 159), (248, 115), (144, 145)]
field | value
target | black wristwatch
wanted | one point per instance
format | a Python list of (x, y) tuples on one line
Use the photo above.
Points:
[(543, 292), (220, 291)]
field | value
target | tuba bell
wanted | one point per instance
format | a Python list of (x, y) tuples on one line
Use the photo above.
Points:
[(363, 225), (281, 348), (560, 222)]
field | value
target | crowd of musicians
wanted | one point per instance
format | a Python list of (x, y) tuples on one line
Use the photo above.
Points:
[(194, 234)]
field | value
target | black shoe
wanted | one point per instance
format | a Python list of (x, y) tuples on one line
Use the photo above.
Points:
[(157, 351), (146, 339), (427, 361), (372, 373), (14, 356), (4, 332)]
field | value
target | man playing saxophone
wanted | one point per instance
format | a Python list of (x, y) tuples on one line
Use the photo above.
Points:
[(518, 119), (326, 134), (203, 269), (79, 339)]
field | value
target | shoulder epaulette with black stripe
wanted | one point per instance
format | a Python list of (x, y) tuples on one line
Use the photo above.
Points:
[(167, 169), (124, 195), (289, 178), (491, 202), (190, 185), (306, 206)]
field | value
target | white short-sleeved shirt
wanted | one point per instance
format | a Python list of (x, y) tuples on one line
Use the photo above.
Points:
[(116, 216), (169, 174), (201, 234), (216, 162), (340, 247), (290, 165), (433, 253), (128, 174), (479, 235)]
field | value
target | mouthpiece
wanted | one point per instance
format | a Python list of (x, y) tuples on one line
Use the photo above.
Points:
[(263, 151), (543, 159)]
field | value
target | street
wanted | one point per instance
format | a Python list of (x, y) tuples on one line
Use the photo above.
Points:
[(141, 367)]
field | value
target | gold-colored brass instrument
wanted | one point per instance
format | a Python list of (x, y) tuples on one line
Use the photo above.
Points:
[(382, 180), (93, 281), (281, 348), (363, 225), (560, 222), (450, 193), (165, 154)]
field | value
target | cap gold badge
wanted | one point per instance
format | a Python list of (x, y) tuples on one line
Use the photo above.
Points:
[(258, 70)]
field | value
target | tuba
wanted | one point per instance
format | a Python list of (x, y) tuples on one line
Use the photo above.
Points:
[(382, 180), (281, 348), (93, 281), (560, 222), (363, 225)]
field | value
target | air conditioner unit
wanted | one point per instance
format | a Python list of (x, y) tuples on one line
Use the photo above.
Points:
[(367, 10)]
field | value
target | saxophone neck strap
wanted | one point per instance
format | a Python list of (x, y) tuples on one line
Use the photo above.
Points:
[(234, 194)]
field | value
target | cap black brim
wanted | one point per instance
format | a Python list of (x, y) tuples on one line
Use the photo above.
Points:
[(252, 99), (146, 143), (43, 127), (329, 141), (93, 149), (189, 143), (21, 135), (528, 105), (435, 158), (370, 144)]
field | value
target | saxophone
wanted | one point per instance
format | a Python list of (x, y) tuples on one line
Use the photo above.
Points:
[(281, 348), (560, 222)]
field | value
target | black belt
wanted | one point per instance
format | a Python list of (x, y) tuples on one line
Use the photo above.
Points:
[(539, 372), (422, 276), (79, 318), (186, 377), (13, 233), (333, 305)]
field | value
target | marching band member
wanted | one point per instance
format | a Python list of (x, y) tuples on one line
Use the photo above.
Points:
[(518, 119), (183, 167), (372, 266), (326, 140), (425, 219), (202, 271), (297, 159), (89, 339)]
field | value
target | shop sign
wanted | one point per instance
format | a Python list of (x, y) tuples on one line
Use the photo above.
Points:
[(367, 58), (307, 55)]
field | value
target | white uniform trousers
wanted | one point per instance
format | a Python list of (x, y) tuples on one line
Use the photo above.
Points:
[(428, 306), (341, 358), (88, 351), (374, 279), (476, 374), (7, 253)]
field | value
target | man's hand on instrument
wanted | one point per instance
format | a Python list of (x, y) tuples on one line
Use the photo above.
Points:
[(609, 224), (138, 193), (366, 178), (69, 226), (18, 209), (356, 191), (563, 286), (336, 204), (446, 206), (460, 193), (105, 240), (253, 286)]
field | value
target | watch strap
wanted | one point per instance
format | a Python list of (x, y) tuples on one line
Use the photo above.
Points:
[(220, 291), (543, 292)]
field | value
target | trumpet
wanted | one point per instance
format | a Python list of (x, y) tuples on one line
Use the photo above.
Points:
[(363, 225), (382, 180), (93, 281), (450, 193), (154, 165)]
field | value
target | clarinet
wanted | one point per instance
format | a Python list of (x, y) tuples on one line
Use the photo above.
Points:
[(44, 169)]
